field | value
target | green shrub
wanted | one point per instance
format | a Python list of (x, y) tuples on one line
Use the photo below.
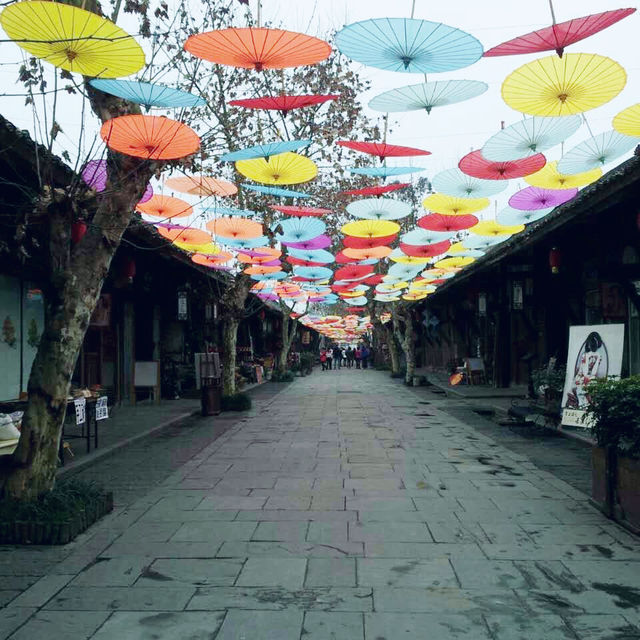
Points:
[(236, 402), (614, 413), (307, 360), (285, 376)]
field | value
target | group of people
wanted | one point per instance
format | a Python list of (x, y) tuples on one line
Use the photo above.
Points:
[(337, 357)]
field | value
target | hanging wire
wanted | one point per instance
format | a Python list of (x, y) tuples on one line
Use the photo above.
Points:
[(553, 13), (413, 8)]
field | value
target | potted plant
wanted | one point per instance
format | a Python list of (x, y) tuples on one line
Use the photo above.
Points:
[(614, 415), (548, 383)]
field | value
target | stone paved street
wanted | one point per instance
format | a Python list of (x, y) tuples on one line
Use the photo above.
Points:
[(345, 509)]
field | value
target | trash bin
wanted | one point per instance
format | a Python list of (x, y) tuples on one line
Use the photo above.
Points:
[(210, 383)]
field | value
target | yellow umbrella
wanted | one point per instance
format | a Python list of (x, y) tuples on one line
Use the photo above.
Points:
[(370, 228), (422, 284), (393, 287), (554, 86), (450, 205), (433, 274), (209, 249), (414, 296), (283, 168), (409, 259), (446, 263), (201, 186), (627, 121), (550, 178), (72, 39), (492, 228)]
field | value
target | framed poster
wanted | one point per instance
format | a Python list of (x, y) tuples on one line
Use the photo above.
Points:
[(595, 351)]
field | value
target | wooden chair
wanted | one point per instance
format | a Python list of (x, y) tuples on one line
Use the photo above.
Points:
[(475, 371)]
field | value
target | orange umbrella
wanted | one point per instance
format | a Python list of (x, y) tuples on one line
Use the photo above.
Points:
[(165, 207), (268, 254), (238, 228), (184, 234), (210, 261), (150, 137), (202, 186), (367, 254), (258, 48), (260, 270)]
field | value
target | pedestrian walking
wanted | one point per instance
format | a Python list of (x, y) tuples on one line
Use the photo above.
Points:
[(329, 359), (337, 357), (365, 353), (349, 355), (323, 359), (357, 356)]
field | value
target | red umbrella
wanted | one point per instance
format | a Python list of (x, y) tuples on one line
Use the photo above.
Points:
[(337, 288), (558, 36), (355, 309), (426, 250), (375, 191), (282, 103), (342, 259), (300, 211), (374, 279), (476, 165), (442, 222), (382, 149), (351, 242), (353, 272), (304, 263)]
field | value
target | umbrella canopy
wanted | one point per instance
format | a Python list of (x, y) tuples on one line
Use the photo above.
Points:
[(454, 262), (425, 251), (558, 36), (209, 249), (265, 150), (275, 191), (397, 255), (262, 269), (596, 152), (426, 96), (313, 273), (375, 191), (367, 254), (423, 237), (384, 172), (360, 301), (555, 86), (550, 178), (258, 48), (401, 272), (276, 275), (94, 174), (510, 216), (319, 242), (206, 261), (299, 229), (312, 255), (217, 210), (150, 137), (352, 242), (382, 149), (454, 182), (491, 228), (476, 165), (246, 243), (165, 207), (379, 209), (203, 186), (73, 39), (481, 242), (235, 228), (304, 263), (408, 45), (370, 228), (627, 121), (458, 249), (533, 198), (285, 168), (442, 222), (282, 103), (187, 235), (148, 94), (354, 272), (454, 206), (529, 137), (300, 211), (267, 254)]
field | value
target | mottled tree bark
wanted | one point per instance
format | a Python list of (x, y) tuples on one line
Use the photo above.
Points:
[(405, 330), (287, 334), (233, 303), (392, 346)]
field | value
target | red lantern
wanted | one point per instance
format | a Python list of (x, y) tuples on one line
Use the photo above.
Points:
[(555, 260), (78, 229), (129, 269)]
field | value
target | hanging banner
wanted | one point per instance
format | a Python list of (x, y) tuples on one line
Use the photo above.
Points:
[(80, 405), (102, 408), (595, 351)]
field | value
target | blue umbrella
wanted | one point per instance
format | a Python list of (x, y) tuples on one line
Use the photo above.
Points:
[(421, 237), (596, 152), (360, 301), (510, 216), (379, 209), (404, 271), (482, 242), (299, 229), (148, 94), (454, 182), (265, 150), (276, 191), (249, 243), (313, 273), (408, 45), (229, 211), (276, 275), (315, 255), (425, 96), (383, 172)]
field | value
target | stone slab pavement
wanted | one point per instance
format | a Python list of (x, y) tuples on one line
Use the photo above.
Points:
[(344, 509)]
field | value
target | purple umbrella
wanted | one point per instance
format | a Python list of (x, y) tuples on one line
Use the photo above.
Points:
[(267, 296), (271, 263), (95, 175), (253, 253), (319, 242), (533, 198)]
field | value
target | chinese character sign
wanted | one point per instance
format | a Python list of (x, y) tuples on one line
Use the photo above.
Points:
[(81, 410), (102, 408)]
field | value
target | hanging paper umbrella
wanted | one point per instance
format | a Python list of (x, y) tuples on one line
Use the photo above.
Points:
[(352, 242), (550, 178), (481, 242), (285, 168), (282, 103), (370, 228), (596, 152), (375, 191), (627, 121), (408, 45), (200, 185), (206, 261), (367, 254), (447, 263), (403, 272), (353, 272), (258, 48), (361, 301), (73, 39), (492, 228), (304, 263), (454, 182), (510, 216), (165, 207), (426, 96), (529, 137), (299, 229), (184, 234), (246, 243), (558, 36), (217, 210), (150, 137), (300, 211), (458, 249), (312, 255), (424, 237), (441, 222), (265, 150), (454, 206), (320, 242), (94, 174), (259, 257), (277, 275), (209, 249), (275, 191), (148, 94), (425, 251), (397, 255), (235, 228), (379, 209), (261, 269), (475, 164), (382, 149), (555, 86), (533, 198), (384, 172), (313, 273)]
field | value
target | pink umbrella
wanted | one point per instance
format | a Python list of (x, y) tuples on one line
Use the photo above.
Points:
[(533, 198), (94, 174), (319, 242)]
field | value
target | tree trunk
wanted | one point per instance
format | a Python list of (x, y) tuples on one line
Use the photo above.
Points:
[(287, 334), (392, 346), (404, 328), (229, 339)]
